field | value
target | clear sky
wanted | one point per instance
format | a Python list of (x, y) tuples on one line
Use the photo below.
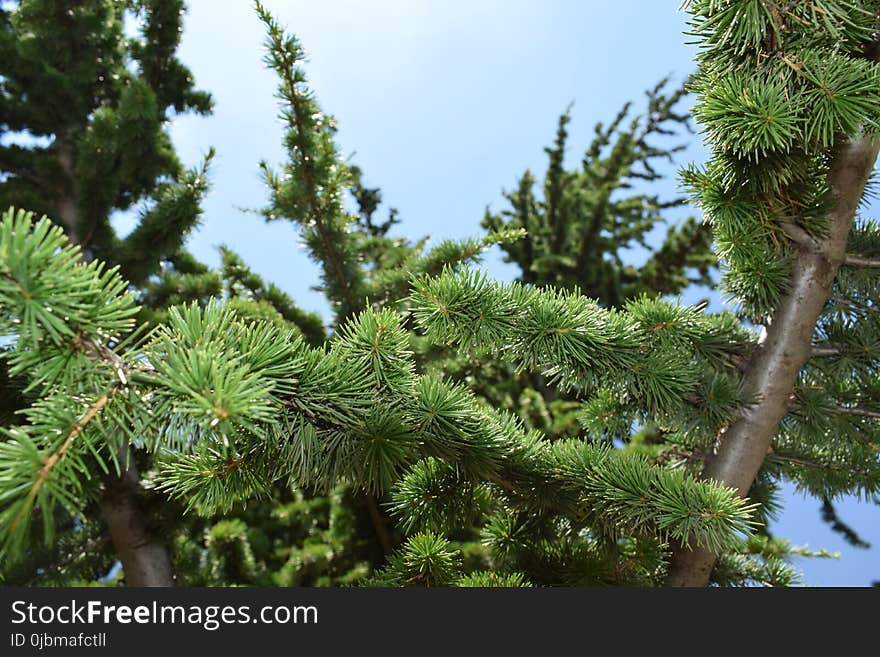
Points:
[(442, 103)]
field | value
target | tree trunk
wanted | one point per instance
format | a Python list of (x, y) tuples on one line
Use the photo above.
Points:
[(68, 197), (774, 367), (143, 555)]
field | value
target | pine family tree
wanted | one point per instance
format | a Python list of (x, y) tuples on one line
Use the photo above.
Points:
[(225, 548), (788, 98), (577, 234), (84, 122), (232, 405), (86, 107)]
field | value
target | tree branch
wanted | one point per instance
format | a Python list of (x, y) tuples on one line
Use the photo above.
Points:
[(859, 412), (800, 237), (144, 557), (379, 524), (317, 208), (67, 199), (49, 462), (824, 352), (853, 260), (782, 458), (774, 367)]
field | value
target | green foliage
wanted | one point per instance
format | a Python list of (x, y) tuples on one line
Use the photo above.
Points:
[(310, 189), (218, 397), (297, 540), (807, 68), (424, 560), (575, 234), (164, 226), (653, 354), (62, 317), (545, 432), (69, 74), (778, 86), (359, 262), (84, 110)]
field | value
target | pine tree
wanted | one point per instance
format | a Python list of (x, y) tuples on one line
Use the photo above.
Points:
[(588, 217), (233, 399), (230, 406), (580, 234), (302, 529), (789, 99), (84, 107)]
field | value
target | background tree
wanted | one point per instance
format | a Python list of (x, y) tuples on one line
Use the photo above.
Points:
[(577, 234), (306, 540), (84, 109), (583, 232)]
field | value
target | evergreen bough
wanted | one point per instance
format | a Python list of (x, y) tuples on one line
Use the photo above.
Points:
[(227, 391)]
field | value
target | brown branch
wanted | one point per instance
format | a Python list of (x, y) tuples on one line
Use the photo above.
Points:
[(794, 406), (95, 350), (145, 560), (794, 460), (12, 279), (824, 352), (380, 524), (853, 260), (143, 555), (52, 460), (800, 237), (859, 412)]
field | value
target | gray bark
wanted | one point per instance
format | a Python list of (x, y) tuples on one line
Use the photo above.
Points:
[(143, 555), (772, 371)]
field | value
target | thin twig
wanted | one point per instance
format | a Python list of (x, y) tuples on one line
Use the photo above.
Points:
[(821, 352), (52, 460), (812, 464), (317, 208), (859, 412)]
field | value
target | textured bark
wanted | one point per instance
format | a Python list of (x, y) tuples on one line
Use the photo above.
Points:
[(772, 371)]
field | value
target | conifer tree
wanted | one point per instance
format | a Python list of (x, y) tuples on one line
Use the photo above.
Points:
[(231, 406), (789, 100), (84, 108), (309, 528), (577, 232), (580, 232), (233, 403)]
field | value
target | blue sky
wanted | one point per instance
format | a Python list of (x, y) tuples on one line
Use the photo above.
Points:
[(442, 104)]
